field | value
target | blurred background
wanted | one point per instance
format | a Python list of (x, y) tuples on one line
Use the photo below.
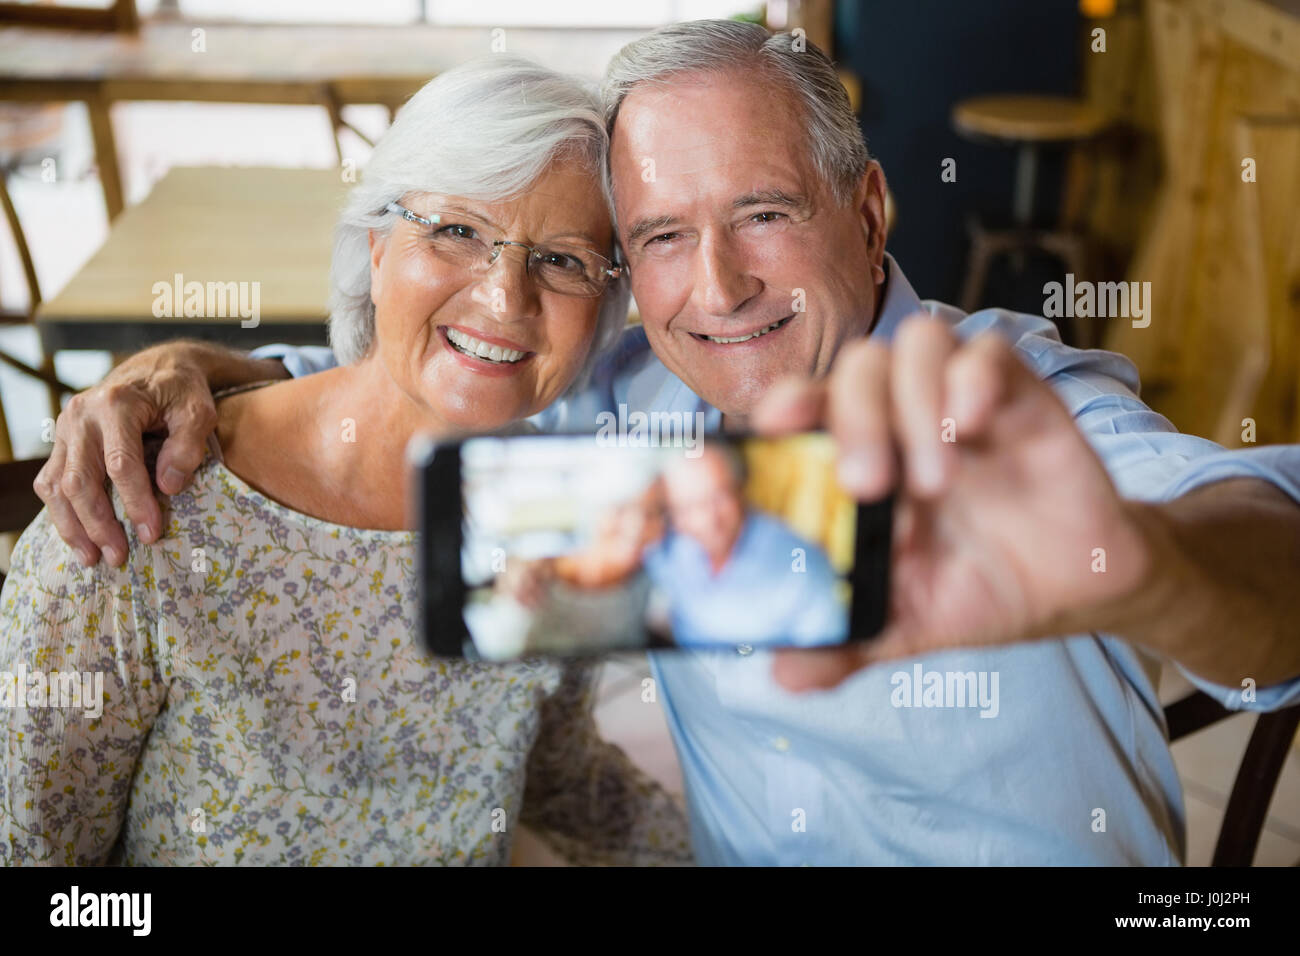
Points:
[(1025, 142)]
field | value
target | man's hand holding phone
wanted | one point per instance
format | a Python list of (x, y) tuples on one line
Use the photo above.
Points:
[(1003, 510)]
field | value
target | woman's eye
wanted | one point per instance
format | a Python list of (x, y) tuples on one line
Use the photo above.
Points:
[(457, 232), (560, 260)]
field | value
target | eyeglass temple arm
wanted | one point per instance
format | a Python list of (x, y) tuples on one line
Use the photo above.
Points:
[(410, 216)]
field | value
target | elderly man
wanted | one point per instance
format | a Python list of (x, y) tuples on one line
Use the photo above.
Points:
[(727, 569), (1060, 536)]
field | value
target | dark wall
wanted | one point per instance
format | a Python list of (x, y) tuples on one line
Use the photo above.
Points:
[(915, 59)]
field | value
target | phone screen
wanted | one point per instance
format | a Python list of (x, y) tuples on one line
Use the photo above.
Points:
[(568, 546)]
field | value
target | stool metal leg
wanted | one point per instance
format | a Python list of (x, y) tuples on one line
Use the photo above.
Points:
[(1026, 182), (977, 271)]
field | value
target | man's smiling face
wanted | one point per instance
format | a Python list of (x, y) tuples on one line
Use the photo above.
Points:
[(744, 265)]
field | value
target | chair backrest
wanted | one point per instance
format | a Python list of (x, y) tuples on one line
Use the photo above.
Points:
[(1243, 820), (18, 501)]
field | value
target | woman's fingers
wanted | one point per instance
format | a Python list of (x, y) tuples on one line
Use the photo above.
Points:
[(922, 349), (48, 487)]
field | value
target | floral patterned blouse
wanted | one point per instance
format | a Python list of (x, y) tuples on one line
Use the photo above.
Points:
[(265, 701)]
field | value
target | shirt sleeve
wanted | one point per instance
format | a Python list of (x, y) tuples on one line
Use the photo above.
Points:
[(300, 360), (1280, 466), (1150, 460), (69, 756), (585, 798)]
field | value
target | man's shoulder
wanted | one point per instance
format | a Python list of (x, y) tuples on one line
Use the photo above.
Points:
[(629, 374), (632, 348), (1085, 373), (632, 371)]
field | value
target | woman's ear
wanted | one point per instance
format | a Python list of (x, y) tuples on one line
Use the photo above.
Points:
[(378, 245)]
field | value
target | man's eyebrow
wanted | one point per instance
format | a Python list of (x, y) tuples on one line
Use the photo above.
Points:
[(769, 197), (762, 197), (642, 227)]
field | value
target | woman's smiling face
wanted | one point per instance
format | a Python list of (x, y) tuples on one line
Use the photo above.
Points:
[(435, 319)]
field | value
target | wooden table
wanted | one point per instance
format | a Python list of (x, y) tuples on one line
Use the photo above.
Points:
[(320, 65), (273, 227)]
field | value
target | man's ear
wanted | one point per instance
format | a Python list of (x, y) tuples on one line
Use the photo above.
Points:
[(378, 245), (869, 201)]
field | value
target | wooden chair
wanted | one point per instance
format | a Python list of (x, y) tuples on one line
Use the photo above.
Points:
[(1243, 820), (25, 317), (18, 501)]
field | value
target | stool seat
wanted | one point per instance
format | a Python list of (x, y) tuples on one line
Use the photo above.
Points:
[(1028, 119)]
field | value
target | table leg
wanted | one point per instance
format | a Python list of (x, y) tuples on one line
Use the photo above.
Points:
[(334, 109), (110, 176)]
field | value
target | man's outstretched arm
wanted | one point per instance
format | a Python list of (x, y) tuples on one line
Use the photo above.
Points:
[(1219, 593), (1015, 530), (165, 388)]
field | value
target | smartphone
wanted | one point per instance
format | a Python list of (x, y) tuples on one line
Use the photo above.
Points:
[(568, 545)]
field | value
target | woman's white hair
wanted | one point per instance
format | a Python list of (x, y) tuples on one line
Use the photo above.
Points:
[(486, 130)]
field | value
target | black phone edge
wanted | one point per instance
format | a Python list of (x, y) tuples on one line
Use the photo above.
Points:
[(439, 579), (869, 577)]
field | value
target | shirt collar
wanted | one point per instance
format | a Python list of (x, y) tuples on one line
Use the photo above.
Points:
[(901, 301)]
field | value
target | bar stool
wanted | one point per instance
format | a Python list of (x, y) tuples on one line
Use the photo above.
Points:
[(1028, 122)]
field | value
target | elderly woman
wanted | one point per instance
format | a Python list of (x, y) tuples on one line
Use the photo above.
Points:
[(264, 697)]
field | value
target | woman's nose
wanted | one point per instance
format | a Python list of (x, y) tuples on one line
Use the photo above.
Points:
[(507, 290)]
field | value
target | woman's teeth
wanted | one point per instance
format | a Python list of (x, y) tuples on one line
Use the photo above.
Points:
[(472, 346), (721, 340)]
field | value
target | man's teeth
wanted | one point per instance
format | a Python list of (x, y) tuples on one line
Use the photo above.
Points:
[(721, 340), (472, 346)]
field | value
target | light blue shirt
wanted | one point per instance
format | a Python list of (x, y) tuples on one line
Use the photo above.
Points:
[(1073, 765), (775, 588)]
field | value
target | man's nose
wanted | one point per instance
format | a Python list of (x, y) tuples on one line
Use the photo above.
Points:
[(723, 282), (506, 289)]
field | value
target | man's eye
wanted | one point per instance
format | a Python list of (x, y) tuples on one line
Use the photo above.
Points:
[(662, 240), (766, 216)]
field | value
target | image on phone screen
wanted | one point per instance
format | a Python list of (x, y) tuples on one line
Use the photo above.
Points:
[(569, 546)]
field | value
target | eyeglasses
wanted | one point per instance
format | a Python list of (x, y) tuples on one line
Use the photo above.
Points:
[(563, 268)]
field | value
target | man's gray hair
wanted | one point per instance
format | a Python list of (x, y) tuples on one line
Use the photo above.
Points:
[(486, 130), (834, 136)]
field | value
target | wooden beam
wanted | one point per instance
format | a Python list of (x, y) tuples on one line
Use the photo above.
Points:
[(60, 18)]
